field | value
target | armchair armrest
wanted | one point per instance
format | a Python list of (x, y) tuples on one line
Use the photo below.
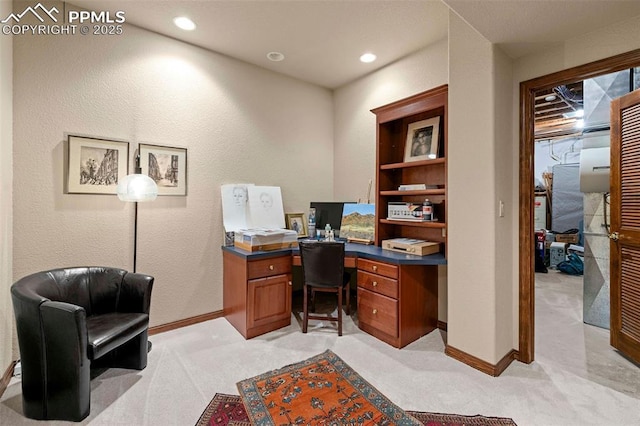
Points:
[(64, 328), (135, 293)]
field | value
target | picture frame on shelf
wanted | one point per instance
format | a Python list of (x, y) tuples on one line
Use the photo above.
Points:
[(298, 223), (167, 166), (312, 215), (422, 140), (95, 165)]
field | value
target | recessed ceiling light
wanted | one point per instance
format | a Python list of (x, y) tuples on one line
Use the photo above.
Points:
[(275, 56), (550, 98), (368, 57), (184, 23)]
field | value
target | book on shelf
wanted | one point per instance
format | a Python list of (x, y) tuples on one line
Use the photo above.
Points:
[(412, 187), (416, 187), (408, 219)]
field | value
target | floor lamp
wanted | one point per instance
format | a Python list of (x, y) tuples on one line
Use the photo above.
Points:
[(137, 188)]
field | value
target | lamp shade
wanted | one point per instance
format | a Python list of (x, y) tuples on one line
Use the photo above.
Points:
[(137, 187)]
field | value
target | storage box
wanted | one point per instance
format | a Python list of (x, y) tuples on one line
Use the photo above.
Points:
[(567, 238), (540, 212), (411, 246), (265, 239), (557, 253), (404, 211)]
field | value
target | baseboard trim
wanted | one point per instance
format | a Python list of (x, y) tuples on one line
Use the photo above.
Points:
[(185, 322), (442, 325), (6, 377), (478, 364)]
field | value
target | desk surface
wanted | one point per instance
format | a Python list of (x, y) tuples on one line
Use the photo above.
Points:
[(353, 250)]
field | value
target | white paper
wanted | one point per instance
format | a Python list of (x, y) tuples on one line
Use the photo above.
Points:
[(265, 207), (235, 206)]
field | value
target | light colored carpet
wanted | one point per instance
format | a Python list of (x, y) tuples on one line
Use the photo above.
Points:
[(577, 379)]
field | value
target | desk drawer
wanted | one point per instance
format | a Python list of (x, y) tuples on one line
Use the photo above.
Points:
[(269, 267), (379, 268), (378, 284), (378, 311)]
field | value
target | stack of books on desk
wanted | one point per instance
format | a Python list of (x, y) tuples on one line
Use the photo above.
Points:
[(257, 239)]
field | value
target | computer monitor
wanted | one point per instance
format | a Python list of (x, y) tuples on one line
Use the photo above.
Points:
[(329, 212)]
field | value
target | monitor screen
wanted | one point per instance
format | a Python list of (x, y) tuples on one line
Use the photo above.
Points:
[(329, 212)]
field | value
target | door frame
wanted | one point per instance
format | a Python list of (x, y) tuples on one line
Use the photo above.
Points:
[(528, 89)]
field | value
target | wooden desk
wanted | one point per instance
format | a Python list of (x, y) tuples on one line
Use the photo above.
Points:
[(397, 292), (349, 261)]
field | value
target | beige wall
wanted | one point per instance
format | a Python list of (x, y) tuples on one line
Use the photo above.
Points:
[(239, 123), (355, 125), (471, 194), (6, 172)]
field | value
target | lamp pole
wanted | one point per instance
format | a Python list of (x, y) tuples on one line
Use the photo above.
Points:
[(135, 235), (136, 188)]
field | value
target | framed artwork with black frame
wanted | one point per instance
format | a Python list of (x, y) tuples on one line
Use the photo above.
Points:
[(167, 166), (95, 165), (422, 140), (298, 223)]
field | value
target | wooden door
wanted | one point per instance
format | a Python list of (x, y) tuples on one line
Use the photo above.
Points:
[(625, 225)]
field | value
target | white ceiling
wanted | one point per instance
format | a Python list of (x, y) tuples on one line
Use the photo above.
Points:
[(323, 39)]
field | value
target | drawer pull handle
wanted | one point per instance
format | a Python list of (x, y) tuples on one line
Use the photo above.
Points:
[(271, 267), (289, 282), (375, 283), (375, 311), (375, 268)]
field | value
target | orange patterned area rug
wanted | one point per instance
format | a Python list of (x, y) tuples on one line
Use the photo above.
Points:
[(228, 410), (322, 390)]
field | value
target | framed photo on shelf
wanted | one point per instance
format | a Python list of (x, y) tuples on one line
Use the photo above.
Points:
[(298, 223), (422, 140), (94, 165), (167, 166), (312, 215)]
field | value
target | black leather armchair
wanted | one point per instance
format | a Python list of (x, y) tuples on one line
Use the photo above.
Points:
[(69, 319)]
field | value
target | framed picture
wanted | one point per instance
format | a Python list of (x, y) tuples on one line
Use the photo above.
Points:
[(297, 222), (95, 166), (167, 166), (422, 140)]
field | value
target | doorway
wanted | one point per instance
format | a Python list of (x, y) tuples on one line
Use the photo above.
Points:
[(528, 90)]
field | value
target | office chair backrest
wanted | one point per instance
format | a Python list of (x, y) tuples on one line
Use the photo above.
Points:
[(322, 263)]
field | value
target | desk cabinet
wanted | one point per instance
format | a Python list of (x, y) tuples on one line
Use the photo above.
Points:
[(257, 293), (398, 304)]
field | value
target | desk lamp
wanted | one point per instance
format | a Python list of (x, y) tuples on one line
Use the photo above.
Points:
[(137, 188)]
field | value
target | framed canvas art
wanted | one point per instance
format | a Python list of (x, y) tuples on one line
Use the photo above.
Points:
[(167, 166), (94, 165)]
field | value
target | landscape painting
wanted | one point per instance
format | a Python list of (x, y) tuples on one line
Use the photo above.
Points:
[(358, 222)]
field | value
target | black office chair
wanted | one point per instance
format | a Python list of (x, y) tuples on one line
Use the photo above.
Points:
[(323, 270)]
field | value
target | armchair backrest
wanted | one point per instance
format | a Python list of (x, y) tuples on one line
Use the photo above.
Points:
[(322, 262), (96, 289)]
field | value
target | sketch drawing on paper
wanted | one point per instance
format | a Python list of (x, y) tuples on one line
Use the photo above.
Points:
[(163, 169), (265, 207), (98, 166), (235, 206)]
